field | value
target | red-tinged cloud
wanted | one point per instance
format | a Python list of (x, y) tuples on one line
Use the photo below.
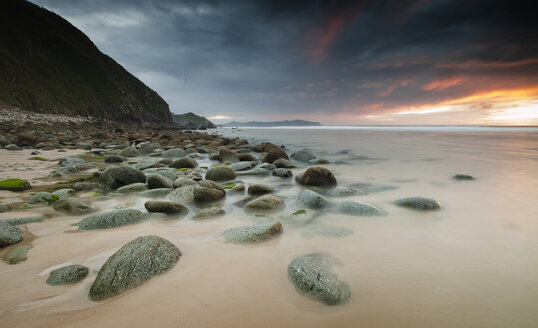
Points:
[(443, 84)]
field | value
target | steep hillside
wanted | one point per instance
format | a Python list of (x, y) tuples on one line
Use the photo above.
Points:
[(191, 120), (49, 66)]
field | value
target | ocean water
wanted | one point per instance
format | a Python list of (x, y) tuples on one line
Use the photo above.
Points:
[(473, 263)]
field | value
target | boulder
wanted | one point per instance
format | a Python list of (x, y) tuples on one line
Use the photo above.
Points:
[(259, 189), (274, 154), (115, 177), (86, 186), (41, 198), (64, 192), (203, 191), (9, 234), (71, 161), (161, 206), (252, 233), (419, 203), (242, 166), (303, 156), (72, 206), (220, 173), (18, 255), (311, 275), (67, 275), (284, 163), (132, 265), (114, 159), (15, 185), (247, 158), (311, 199), (184, 162), (316, 176), (156, 181), (266, 202), (130, 151), (12, 147), (226, 155), (182, 182), (209, 212), (133, 187), (173, 153), (111, 219), (282, 173), (355, 208)]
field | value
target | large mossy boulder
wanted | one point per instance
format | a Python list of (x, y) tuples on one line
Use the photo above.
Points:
[(419, 203), (15, 185), (116, 177), (317, 176), (132, 265), (9, 234), (67, 275), (111, 219), (252, 233), (311, 275)]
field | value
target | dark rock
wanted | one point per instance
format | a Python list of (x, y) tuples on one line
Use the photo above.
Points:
[(247, 158), (259, 189), (419, 203), (184, 162), (134, 264), (67, 275), (317, 176), (111, 219), (311, 275), (155, 181), (319, 161), (115, 177), (9, 234), (227, 155), (252, 233), (284, 163), (274, 154), (114, 159), (220, 173), (161, 206), (462, 177)]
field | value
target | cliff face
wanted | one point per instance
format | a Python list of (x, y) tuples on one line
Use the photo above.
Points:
[(49, 66)]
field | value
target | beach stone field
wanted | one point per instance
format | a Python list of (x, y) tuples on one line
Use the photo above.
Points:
[(179, 175)]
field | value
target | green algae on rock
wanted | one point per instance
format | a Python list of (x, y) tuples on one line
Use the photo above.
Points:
[(132, 265), (15, 185)]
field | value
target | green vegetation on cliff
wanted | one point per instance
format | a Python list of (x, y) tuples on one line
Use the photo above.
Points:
[(49, 66)]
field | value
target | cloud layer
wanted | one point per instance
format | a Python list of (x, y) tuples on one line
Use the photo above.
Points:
[(340, 62)]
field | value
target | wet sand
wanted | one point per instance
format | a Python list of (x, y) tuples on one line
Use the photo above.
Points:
[(472, 264)]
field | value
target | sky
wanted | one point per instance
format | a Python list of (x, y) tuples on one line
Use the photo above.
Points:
[(337, 62)]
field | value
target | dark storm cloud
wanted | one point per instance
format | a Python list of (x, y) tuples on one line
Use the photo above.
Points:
[(270, 59)]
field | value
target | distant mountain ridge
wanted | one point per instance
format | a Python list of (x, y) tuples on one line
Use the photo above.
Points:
[(49, 66), (275, 123), (193, 121)]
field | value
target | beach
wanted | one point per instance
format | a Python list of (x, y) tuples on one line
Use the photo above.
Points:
[(470, 263)]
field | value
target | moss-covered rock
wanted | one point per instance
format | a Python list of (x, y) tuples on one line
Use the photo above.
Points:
[(132, 265), (18, 255), (67, 275), (15, 185), (39, 199)]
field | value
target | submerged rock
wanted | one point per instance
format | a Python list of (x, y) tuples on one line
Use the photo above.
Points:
[(9, 234), (252, 233), (342, 192), (242, 166), (156, 193), (173, 153), (114, 159), (167, 207), (132, 265), (311, 275), (298, 218), (419, 203), (282, 173), (266, 202), (462, 177), (15, 185), (111, 219), (220, 173), (260, 189), (67, 275), (133, 187), (116, 177), (303, 156), (26, 220), (355, 208), (284, 163), (72, 206), (317, 176), (18, 255), (4, 208), (311, 199), (210, 212), (256, 171)]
